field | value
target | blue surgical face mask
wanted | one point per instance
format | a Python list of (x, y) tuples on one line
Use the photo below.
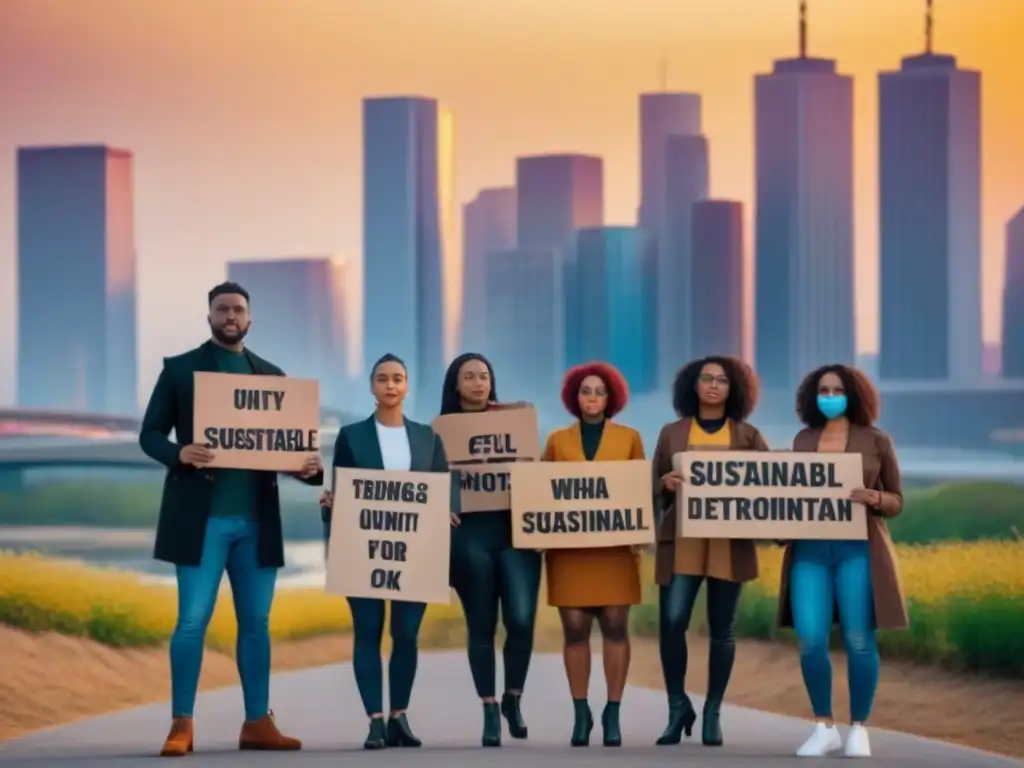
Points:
[(832, 406)]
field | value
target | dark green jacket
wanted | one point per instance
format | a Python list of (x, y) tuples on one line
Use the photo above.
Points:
[(188, 491), (357, 447)]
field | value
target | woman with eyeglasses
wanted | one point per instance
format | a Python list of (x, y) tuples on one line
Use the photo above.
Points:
[(713, 397)]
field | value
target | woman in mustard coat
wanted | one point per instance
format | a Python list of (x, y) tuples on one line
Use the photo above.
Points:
[(600, 583)]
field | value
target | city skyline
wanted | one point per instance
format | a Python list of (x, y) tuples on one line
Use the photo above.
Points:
[(616, 190)]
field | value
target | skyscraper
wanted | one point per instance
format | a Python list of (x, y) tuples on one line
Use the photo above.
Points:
[(489, 224), (524, 320), (716, 304), (558, 194), (296, 309), (411, 265), (673, 163), (76, 280), (804, 298), (929, 167), (661, 115), (687, 180), (1013, 299), (615, 274)]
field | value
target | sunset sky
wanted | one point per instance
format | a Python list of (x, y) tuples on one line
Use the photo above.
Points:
[(244, 115)]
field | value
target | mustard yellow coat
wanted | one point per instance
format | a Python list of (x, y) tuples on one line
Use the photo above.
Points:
[(605, 576)]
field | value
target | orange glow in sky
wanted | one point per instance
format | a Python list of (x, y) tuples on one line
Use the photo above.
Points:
[(244, 115)]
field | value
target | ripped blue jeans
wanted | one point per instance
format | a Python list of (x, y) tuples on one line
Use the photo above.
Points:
[(827, 576)]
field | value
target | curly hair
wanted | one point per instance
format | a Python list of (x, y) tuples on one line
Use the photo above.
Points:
[(614, 382), (862, 401), (450, 400), (744, 388)]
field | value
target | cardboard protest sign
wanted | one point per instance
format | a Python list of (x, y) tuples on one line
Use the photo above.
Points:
[(770, 495), (391, 535), (257, 422), (581, 504), (483, 446)]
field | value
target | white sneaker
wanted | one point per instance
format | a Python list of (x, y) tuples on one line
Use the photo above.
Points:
[(857, 743), (824, 739)]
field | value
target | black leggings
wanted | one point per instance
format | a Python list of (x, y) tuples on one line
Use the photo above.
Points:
[(488, 574), (675, 606)]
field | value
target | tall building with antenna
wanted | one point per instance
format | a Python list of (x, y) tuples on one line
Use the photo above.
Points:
[(671, 180), (929, 170), (804, 296)]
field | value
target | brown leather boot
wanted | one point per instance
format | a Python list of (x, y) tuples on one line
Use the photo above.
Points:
[(179, 740), (263, 735)]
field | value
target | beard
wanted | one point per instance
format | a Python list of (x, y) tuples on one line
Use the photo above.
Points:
[(232, 336)]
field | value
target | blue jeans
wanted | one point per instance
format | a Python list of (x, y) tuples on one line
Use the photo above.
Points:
[(827, 576), (230, 545)]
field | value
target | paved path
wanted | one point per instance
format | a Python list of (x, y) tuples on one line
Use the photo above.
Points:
[(321, 707)]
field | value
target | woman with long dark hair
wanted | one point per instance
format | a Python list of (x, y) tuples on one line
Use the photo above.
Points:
[(386, 440), (854, 584), (713, 397), (489, 575), (600, 583)]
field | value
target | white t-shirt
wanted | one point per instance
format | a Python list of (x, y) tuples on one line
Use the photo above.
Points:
[(394, 447)]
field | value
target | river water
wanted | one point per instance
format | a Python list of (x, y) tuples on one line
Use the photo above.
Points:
[(132, 550)]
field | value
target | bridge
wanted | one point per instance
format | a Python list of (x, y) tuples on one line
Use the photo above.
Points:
[(45, 439)]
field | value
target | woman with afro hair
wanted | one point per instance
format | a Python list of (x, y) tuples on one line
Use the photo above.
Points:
[(488, 574), (854, 584), (713, 397), (600, 583)]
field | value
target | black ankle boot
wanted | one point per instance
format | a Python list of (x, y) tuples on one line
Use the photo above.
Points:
[(377, 737), (584, 724), (711, 724), (610, 724), (681, 717), (400, 734), (492, 725), (510, 709)]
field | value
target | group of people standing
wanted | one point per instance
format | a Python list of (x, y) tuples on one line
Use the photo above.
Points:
[(212, 520)]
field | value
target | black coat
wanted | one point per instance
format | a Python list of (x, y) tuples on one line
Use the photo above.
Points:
[(357, 447), (188, 491)]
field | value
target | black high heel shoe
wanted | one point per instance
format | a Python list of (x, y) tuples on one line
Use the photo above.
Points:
[(583, 725), (510, 709), (492, 725), (610, 724), (681, 717), (399, 734), (377, 737), (711, 724)]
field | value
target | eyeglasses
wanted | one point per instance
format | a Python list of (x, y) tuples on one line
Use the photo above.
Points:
[(594, 392), (707, 378)]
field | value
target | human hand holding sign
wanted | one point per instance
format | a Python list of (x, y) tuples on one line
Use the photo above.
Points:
[(869, 497), (313, 465), (195, 455), (326, 499), (672, 481)]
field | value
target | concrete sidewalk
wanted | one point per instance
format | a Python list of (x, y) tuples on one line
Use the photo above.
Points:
[(321, 706)]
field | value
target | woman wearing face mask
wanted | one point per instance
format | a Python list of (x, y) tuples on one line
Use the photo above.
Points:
[(386, 440), (488, 574), (604, 582), (853, 582), (713, 397)]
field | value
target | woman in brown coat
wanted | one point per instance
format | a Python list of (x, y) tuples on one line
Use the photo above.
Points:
[(853, 582), (604, 582), (713, 397)]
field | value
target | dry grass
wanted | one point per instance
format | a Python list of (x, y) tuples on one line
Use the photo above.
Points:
[(51, 679)]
